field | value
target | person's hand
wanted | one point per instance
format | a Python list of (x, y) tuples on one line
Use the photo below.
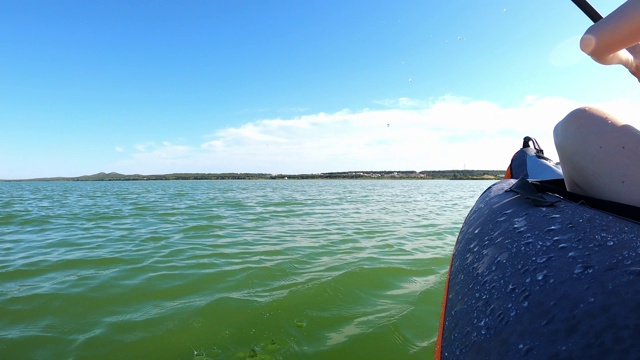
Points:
[(634, 64)]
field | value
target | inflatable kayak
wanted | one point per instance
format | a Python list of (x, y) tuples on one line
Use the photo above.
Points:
[(541, 273)]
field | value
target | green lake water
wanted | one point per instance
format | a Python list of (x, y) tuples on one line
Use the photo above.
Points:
[(226, 269)]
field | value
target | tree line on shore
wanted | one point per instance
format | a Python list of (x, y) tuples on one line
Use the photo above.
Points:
[(353, 175)]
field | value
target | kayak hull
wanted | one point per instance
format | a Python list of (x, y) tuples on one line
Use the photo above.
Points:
[(529, 281)]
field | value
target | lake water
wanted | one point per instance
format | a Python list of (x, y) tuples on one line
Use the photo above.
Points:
[(226, 269)]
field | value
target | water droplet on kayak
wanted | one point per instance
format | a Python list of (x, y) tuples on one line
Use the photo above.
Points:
[(548, 320), (520, 222), (541, 275), (526, 350), (581, 268), (552, 228)]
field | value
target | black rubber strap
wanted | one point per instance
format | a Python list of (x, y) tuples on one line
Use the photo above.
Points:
[(588, 10)]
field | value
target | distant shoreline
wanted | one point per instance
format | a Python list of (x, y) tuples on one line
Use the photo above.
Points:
[(346, 175)]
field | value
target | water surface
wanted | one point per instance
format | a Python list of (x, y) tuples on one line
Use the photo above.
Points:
[(226, 269)]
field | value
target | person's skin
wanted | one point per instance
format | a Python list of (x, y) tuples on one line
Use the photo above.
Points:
[(599, 154), (614, 39)]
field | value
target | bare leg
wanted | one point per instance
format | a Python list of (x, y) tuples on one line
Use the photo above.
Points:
[(600, 156)]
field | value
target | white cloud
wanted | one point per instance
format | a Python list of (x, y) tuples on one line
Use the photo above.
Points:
[(448, 133), (144, 147), (403, 103)]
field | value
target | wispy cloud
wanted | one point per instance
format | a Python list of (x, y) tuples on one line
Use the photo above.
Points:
[(403, 103), (446, 133)]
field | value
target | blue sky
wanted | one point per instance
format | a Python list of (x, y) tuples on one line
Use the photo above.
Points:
[(155, 87)]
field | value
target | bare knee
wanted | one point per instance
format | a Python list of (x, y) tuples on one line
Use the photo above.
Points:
[(576, 121), (585, 125), (599, 154), (576, 137)]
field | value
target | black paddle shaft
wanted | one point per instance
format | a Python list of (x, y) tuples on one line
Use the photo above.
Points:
[(588, 10)]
